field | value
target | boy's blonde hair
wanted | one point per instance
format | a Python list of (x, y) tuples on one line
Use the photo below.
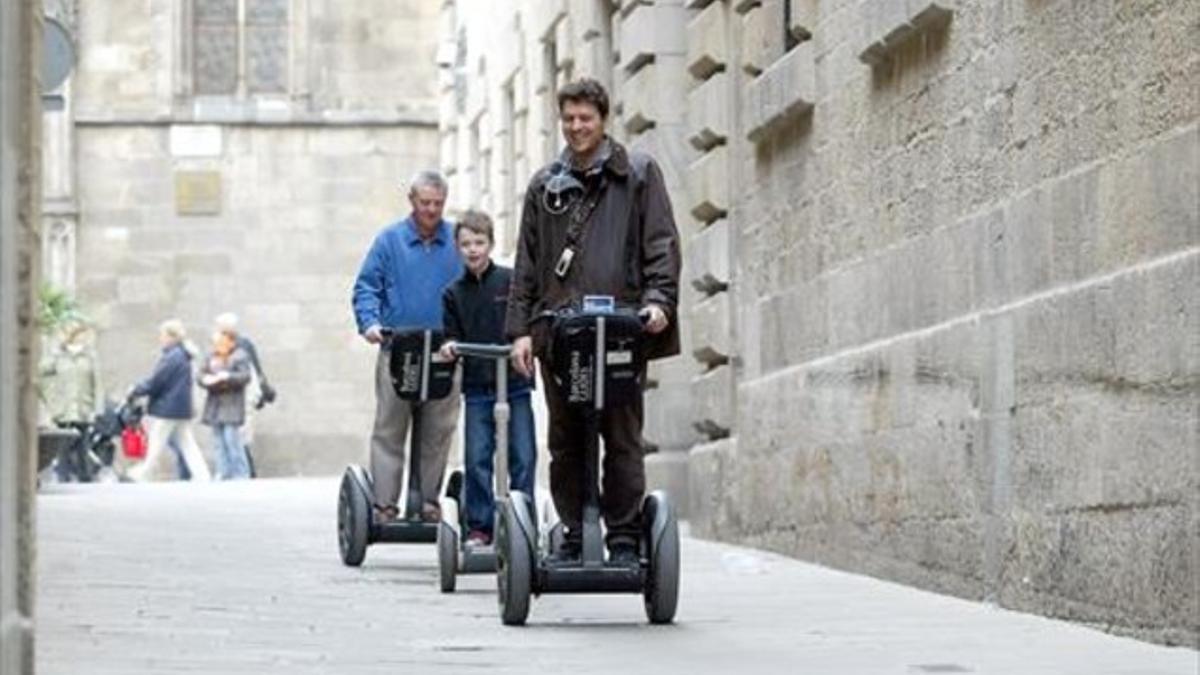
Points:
[(477, 222)]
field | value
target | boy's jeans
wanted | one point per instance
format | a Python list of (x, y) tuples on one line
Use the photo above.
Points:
[(481, 446), (231, 455)]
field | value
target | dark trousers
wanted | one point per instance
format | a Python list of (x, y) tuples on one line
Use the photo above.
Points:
[(624, 470)]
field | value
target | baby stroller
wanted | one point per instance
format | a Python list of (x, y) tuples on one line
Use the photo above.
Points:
[(85, 449)]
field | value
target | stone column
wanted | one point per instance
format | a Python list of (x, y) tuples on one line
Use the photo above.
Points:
[(20, 161)]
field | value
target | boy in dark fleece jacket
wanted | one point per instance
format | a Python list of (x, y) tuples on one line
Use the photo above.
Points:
[(474, 311)]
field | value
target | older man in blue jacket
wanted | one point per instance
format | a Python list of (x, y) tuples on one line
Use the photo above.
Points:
[(400, 287)]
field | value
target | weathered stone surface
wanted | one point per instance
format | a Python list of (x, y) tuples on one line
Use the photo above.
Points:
[(651, 97), (708, 113), (20, 276), (667, 413), (804, 17), (887, 24), (643, 36), (709, 181), (709, 258), (668, 471), (710, 468), (714, 411), (712, 330), (762, 38), (564, 41), (785, 89), (707, 44)]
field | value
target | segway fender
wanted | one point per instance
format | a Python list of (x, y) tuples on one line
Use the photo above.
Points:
[(523, 506), (658, 514), (363, 479), (452, 517)]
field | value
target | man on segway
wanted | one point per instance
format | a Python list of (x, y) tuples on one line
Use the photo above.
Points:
[(597, 221), (400, 287)]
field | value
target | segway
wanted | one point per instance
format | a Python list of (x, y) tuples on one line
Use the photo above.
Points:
[(597, 362), (454, 556), (418, 376)]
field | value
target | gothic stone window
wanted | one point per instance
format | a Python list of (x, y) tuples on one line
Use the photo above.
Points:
[(241, 47)]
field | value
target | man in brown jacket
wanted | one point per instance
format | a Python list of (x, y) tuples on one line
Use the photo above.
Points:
[(595, 222)]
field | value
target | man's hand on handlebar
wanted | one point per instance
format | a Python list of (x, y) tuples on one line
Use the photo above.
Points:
[(449, 350), (374, 334), (655, 318), (522, 355)]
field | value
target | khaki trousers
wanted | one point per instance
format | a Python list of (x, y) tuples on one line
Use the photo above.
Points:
[(393, 416)]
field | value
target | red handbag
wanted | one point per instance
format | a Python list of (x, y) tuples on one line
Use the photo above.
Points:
[(133, 442)]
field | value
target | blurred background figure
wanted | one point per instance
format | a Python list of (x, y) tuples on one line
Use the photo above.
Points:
[(169, 407), (69, 385), (225, 375), (259, 390), (70, 378)]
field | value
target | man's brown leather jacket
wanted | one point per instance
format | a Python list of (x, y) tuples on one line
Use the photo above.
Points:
[(629, 249)]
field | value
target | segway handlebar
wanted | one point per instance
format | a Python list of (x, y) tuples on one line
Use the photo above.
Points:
[(483, 350)]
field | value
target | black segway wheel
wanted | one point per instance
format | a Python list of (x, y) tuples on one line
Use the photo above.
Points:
[(514, 568), (354, 514), (447, 548), (662, 580)]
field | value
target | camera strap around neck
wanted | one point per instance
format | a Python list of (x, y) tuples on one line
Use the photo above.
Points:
[(577, 225)]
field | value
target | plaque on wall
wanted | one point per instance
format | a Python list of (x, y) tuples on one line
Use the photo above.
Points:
[(197, 193)]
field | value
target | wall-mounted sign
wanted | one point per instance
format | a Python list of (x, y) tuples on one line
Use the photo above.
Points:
[(58, 55), (197, 193)]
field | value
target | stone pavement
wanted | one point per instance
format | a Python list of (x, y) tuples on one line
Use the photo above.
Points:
[(245, 578)]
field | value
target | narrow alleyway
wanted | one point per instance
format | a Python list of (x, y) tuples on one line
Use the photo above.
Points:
[(245, 578)]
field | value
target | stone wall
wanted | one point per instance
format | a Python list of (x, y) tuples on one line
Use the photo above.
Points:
[(20, 152), (259, 203), (965, 249)]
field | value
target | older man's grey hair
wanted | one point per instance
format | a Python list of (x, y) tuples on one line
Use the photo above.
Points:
[(427, 178)]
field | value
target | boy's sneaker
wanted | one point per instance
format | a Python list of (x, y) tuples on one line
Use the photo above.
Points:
[(478, 538)]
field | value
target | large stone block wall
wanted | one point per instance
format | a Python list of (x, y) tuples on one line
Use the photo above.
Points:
[(967, 238), (306, 179)]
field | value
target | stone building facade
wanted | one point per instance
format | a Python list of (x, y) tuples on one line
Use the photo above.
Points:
[(942, 270), (240, 155)]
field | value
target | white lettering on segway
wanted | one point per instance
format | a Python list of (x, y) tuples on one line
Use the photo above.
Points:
[(410, 373), (619, 358), (581, 379)]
